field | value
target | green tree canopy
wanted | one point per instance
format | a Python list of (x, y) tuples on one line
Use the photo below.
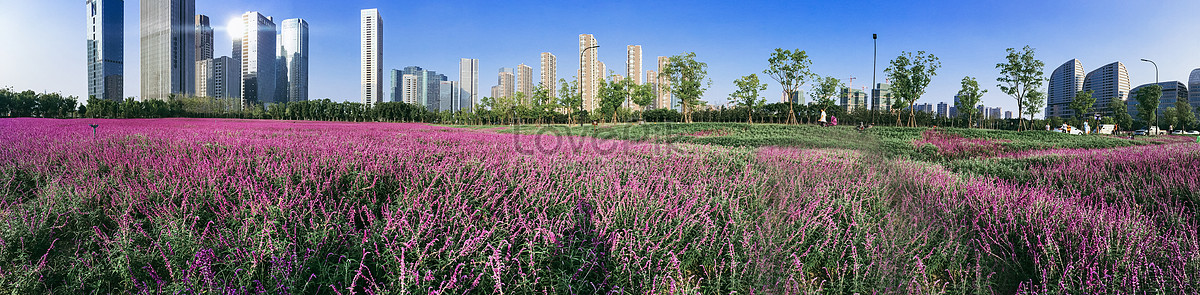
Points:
[(968, 97), (1082, 104), (1020, 75), (747, 94), (910, 75), (688, 79), (791, 69)]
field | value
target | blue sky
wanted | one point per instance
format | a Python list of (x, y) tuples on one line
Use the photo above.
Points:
[(47, 53)]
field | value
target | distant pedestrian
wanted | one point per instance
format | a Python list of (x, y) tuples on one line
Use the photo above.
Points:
[(822, 119)]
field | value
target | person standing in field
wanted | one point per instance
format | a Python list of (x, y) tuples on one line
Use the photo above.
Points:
[(822, 119)]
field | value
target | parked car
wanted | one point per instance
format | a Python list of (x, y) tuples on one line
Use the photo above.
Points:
[(1177, 132), (1072, 132), (1140, 132)]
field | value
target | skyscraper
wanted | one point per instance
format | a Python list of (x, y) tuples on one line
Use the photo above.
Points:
[(372, 57), (410, 87), (204, 38), (853, 99), (590, 72), (427, 86), (468, 80), (1107, 83), (106, 49), (293, 47), (943, 110), (663, 95), (1194, 87), (549, 74), (449, 96), (525, 82), (168, 29), (397, 86), (1065, 82), (258, 59), (633, 63), (652, 80)]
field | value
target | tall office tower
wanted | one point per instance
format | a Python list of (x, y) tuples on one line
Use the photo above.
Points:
[(1065, 82), (293, 47), (106, 49), (468, 80), (633, 63), (1172, 91), (168, 48), (943, 110), (410, 88), (427, 91), (397, 86), (881, 97), (525, 81), (433, 90), (258, 59), (1008, 115), (664, 85), (372, 57), (204, 39), (590, 73), (1107, 83), (449, 99), (1194, 87), (504, 84), (549, 74)]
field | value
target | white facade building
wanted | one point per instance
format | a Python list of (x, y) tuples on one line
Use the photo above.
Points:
[(371, 57)]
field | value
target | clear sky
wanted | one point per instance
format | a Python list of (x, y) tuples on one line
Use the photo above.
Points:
[(44, 41)]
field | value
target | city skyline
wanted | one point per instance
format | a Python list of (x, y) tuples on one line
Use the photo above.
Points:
[(845, 49)]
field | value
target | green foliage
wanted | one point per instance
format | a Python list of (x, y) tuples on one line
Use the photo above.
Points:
[(747, 94), (688, 79), (1120, 114), (910, 74), (1034, 103), (791, 69), (824, 91), (1021, 74), (1082, 104), (40, 105), (1148, 99), (612, 97), (968, 98), (1184, 115)]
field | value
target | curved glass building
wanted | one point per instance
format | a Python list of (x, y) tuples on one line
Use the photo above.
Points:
[(1107, 83), (1065, 82)]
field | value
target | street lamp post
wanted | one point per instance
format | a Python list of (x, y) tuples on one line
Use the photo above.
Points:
[(874, 66), (1157, 113)]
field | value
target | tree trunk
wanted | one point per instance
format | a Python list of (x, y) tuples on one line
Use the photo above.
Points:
[(750, 117)]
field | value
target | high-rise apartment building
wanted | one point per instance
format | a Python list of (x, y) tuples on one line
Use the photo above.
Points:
[(293, 49), (943, 110), (168, 59), (853, 99), (468, 80), (652, 80), (1008, 115), (549, 74), (525, 82), (106, 49), (591, 72), (663, 94), (410, 88), (633, 63), (881, 97), (1107, 83), (1065, 82), (371, 57), (504, 84), (218, 78), (204, 39), (258, 59)]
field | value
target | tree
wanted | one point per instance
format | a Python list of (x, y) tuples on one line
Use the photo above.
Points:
[(1184, 115), (643, 95), (910, 74), (824, 91), (569, 98), (687, 79), (1082, 104), (1120, 113), (1169, 114), (968, 98), (1021, 74), (1034, 102), (612, 96), (747, 94), (1148, 99), (791, 70)]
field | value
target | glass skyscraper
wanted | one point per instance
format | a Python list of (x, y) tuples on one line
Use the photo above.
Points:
[(168, 51), (106, 48), (293, 46)]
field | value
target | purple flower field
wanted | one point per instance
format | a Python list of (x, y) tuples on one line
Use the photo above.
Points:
[(185, 206)]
